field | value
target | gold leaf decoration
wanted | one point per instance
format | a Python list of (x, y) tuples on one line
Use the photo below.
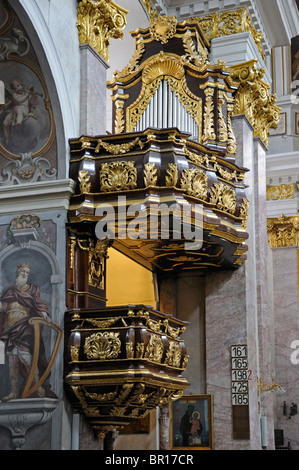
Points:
[(223, 197), (195, 183), (102, 345), (118, 176), (150, 174)]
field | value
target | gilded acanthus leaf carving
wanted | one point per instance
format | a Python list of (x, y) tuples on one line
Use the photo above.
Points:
[(223, 197), (98, 22), (84, 180), (253, 99), (195, 183), (150, 174), (209, 130)]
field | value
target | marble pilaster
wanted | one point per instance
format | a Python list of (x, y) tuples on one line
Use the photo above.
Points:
[(231, 318), (93, 91), (262, 273), (286, 328)]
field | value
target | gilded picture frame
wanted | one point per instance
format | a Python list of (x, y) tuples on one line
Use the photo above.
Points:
[(192, 423)]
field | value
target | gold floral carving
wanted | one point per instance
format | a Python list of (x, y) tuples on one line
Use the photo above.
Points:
[(151, 11), (195, 183), (150, 174), (84, 180), (118, 176), (102, 345), (223, 197), (199, 55), (283, 191), (253, 99), (172, 174), (283, 231), (230, 22), (163, 28), (99, 21)]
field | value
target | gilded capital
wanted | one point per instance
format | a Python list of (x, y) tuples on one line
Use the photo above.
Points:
[(283, 231), (253, 99), (98, 21)]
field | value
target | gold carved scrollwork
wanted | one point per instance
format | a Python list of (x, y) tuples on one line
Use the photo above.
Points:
[(173, 355), (195, 183), (118, 176), (200, 55), (283, 231), (163, 28), (154, 350), (230, 22), (253, 99), (102, 345), (98, 22), (283, 191), (151, 11), (223, 197)]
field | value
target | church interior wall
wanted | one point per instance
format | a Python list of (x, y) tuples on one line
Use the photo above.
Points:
[(256, 305)]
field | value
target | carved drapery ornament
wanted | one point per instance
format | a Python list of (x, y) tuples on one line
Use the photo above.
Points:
[(253, 99), (283, 231), (98, 22)]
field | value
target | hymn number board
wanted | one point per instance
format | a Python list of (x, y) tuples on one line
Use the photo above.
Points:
[(240, 392)]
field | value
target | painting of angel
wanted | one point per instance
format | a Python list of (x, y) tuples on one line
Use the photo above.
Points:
[(25, 122)]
